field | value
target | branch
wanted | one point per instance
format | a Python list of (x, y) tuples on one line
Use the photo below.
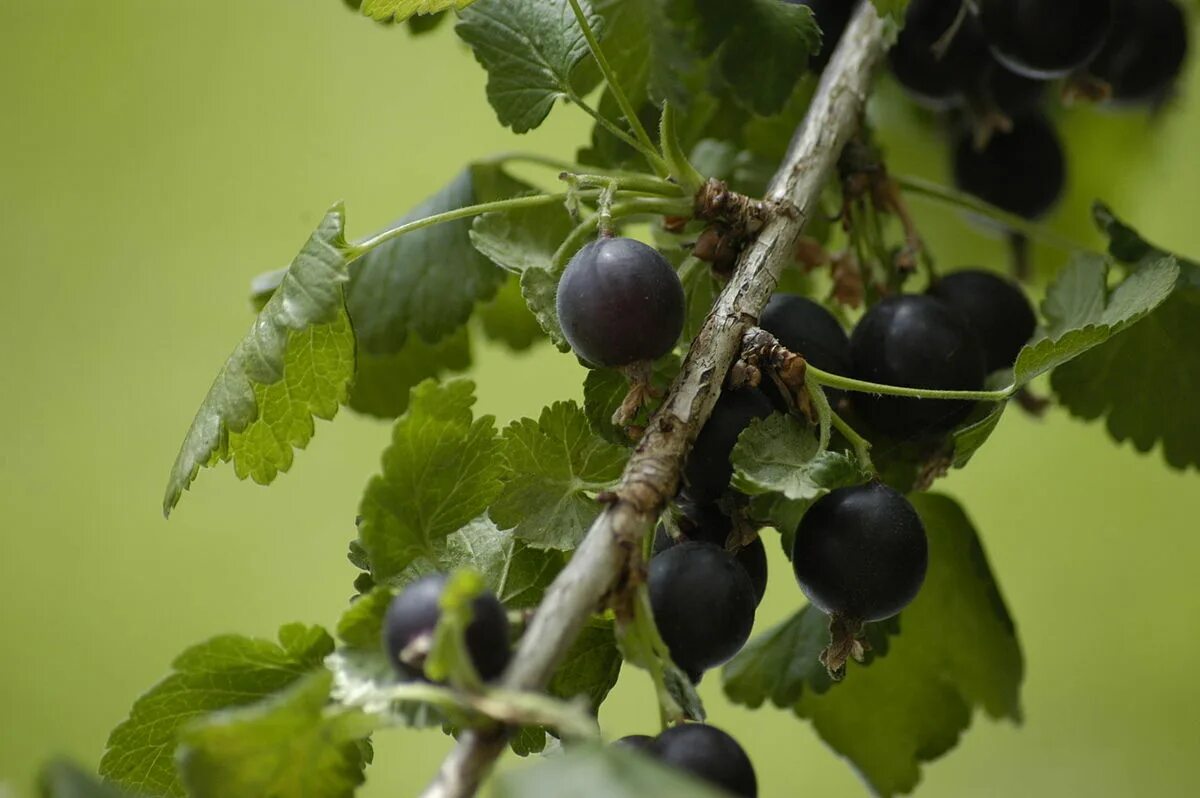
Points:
[(652, 474)]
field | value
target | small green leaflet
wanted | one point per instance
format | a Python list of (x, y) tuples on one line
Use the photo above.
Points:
[(956, 649), (974, 432), (295, 363), (599, 772), (554, 464), (891, 8), (428, 281), (442, 470), (530, 49), (605, 389), (382, 382), (291, 745), (506, 319), (224, 672), (62, 779), (400, 10), (1081, 313), (590, 667), (361, 626)]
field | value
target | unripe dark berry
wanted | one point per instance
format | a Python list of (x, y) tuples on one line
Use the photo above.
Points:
[(709, 754), (708, 469), (995, 308), (620, 302), (1022, 171), (1045, 38), (413, 615), (914, 341), (937, 79), (1146, 52), (860, 553), (703, 604), (707, 523)]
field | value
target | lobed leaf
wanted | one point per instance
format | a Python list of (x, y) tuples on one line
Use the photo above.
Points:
[(63, 779), (441, 470), (222, 673), (400, 10), (295, 364), (382, 383), (555, 464), (506, 319), (646, 50)]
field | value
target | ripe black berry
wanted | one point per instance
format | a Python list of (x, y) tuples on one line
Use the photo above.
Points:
[(914, 341), (1045, 38), (808, 329), (703, 604), (831, 17), (709, 754), (619, 302), (708, 469), (706, 523), (1000, 90), (413, 614), (860, 553), (1022, 172), (937, 79), (1145, 54), (636, 742), (995, 308)]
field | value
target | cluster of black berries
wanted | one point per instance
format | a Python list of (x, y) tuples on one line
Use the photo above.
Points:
[(702, 751), (994, 60)]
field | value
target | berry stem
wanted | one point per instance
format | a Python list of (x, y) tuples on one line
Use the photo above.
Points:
[(646, 147), (862, 446), (851, 384), (634, 206)]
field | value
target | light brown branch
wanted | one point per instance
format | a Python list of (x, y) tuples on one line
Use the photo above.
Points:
[(652, 474)]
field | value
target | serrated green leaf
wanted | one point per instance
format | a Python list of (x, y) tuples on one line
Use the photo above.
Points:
[(523, 239), (441, 470), (287, 746), (400, 10), (530, 49), (382, 383), (361, 626), (605, 389), (428, 281), (590, 667), (554, 464), (63, 779), (779, 454), (294, 364), (506, 319), (1144, 382), (221, 673), (646, 50), (968, 437), (600, 772), (540, 291), (957, 649), (1083, 315)]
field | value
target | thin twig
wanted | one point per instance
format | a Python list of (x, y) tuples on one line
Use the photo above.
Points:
[(652, 473)]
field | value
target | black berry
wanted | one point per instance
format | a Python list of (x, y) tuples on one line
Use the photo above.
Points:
[(413, 615), (1022, 171), (703, 604), (707, 523), (933, 78), (636, 742), (1000, 90), (809, 329), (831, 17), (914, 341), (995, 308), (709, 754), (619, 302), (860, 553), (1145, 54), (708, 469), (1045, 38)]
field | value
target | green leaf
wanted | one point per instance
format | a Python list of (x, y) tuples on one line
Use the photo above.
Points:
[(530, 49), (1082, 314), (224, 672), (449, 662), (364, 679), (506, 319), (957, 649), (892, 8), (400, 10), (554, 464), (428, 281), (1144, 382), (969, 436), (361, 626), (590, 667), (779, 454), (700, 291), (295, 363), (646, 50), (523, 239), (605, 389), (442, 470), (287, 746), (540, 290), (600, 772), (63, 779), (382, 382)]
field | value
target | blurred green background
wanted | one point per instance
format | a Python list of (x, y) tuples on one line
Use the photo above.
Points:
[(154, 156)]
